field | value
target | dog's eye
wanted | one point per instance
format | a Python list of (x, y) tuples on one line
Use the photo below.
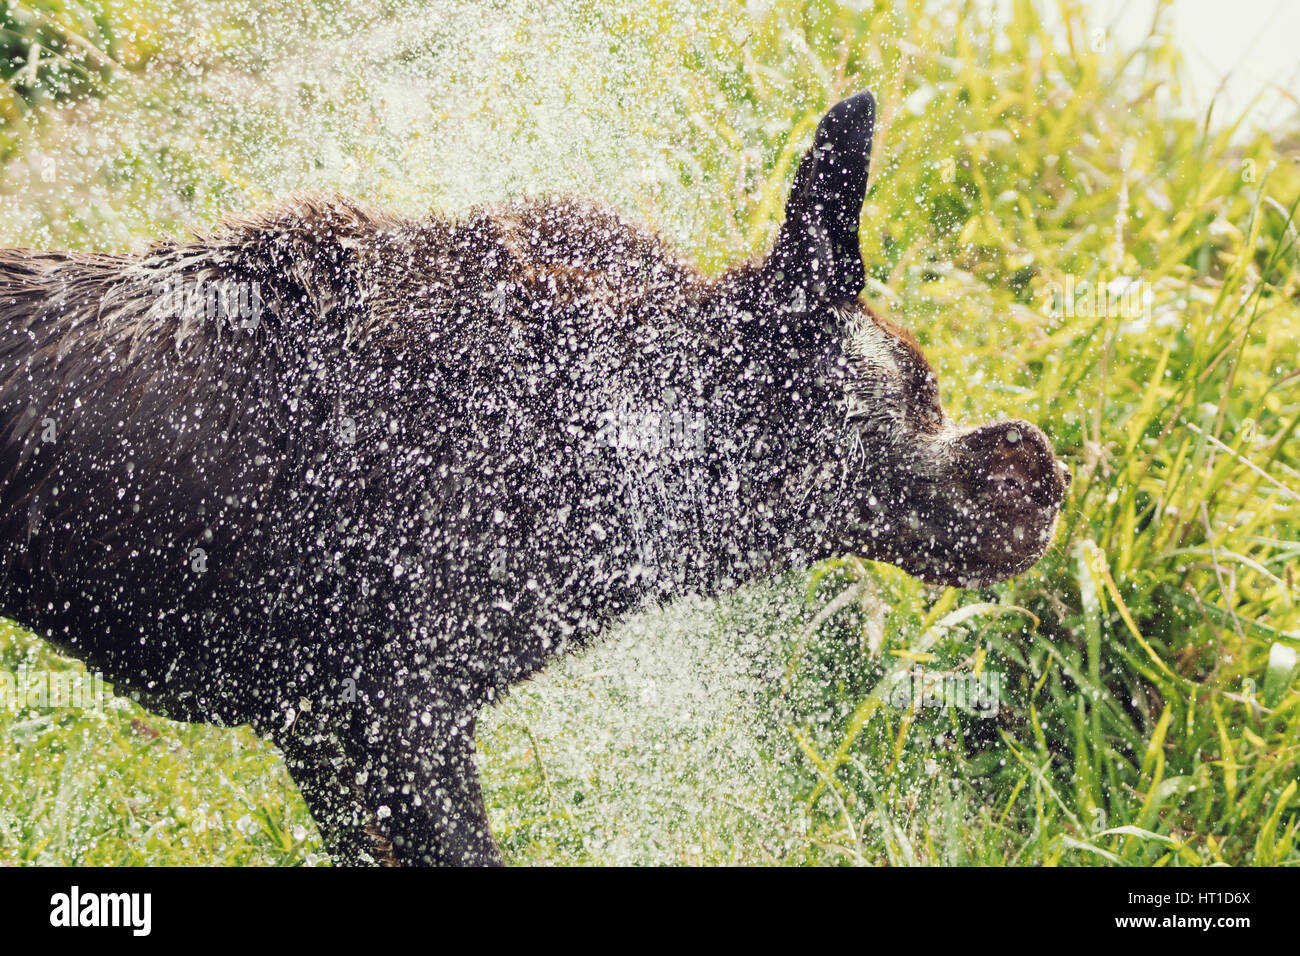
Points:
[(932, 416)]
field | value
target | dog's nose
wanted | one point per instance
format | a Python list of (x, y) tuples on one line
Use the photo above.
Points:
[(1014, 458)]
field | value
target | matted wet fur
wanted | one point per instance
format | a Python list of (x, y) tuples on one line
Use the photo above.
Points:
[(405, 462)]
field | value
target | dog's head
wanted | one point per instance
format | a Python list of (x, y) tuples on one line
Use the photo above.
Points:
[(889, 475)]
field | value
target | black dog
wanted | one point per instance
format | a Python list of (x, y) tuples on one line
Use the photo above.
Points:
[(346, 477)]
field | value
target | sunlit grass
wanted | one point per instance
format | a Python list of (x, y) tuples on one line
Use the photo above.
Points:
[(1150, 710)]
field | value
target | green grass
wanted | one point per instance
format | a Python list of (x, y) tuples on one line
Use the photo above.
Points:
[(1150, 708)]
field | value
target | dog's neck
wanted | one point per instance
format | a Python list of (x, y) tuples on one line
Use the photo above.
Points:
[(719, 461)]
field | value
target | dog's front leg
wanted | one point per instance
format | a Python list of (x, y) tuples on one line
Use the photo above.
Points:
[(327, 779), (413, 748)]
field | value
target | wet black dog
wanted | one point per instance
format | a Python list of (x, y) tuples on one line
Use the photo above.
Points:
[(346, 476)]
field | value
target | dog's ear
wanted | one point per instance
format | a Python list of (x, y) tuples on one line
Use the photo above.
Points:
[(817, 249)]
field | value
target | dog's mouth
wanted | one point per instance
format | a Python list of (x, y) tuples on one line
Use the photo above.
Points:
[(988, 539), (1020, 540)]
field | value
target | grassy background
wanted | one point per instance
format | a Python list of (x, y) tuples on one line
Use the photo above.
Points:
[(1150, 711)]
